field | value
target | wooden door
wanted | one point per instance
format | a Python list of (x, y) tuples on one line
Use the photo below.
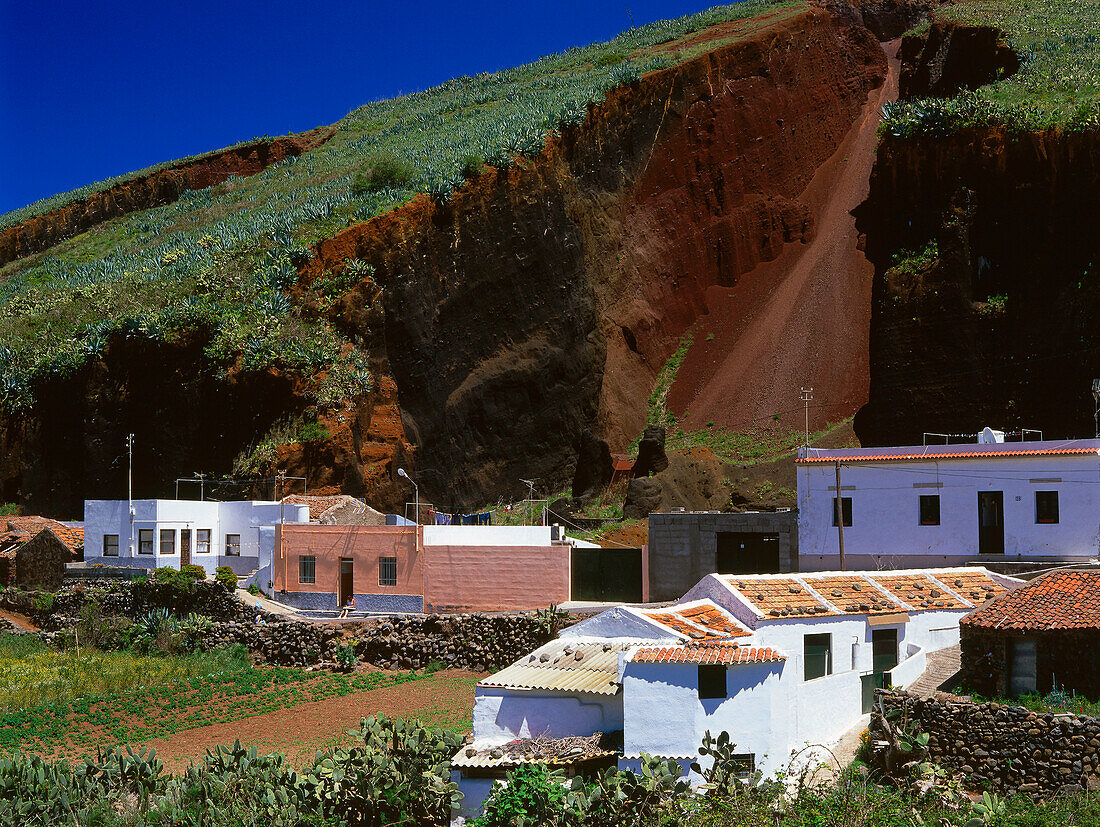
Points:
[(347, 582), (185, 547)]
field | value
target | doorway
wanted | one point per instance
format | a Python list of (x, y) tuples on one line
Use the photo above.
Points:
[(1022, 668), (185, 547), (991, 522), (741, 552), (346, 592), (884, 655)]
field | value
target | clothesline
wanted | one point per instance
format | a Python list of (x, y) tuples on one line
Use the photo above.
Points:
[(442, 518)]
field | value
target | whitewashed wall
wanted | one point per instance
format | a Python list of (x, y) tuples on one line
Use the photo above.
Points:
[(486, 535), (505, 714), (886, 530)]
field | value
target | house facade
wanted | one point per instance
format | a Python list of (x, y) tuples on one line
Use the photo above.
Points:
[(157, 533), (433, 568), (945, 505), (781, 662)]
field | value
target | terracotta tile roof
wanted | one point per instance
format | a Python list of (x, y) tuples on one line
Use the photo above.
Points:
[(937, 452), (728, 654), (855, 595), (1058, 600), (922, 591), (778, 597), (704, 621), (14, 531), (974, 586)]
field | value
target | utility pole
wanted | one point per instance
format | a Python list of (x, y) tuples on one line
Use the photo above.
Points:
[(280, 476), (130, 487), (839, 505), (531, 497), (806, 395)]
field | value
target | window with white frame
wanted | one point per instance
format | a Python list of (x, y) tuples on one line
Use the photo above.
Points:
[(307, 568), (145, 541), (232, 545), (202, 541), (110, 545), (167, 541)]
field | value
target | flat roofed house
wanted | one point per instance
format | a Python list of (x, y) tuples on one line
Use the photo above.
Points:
[(1009, 503), (779, 661), (156, 533)]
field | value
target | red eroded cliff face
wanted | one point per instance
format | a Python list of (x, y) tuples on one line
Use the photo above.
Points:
[(543, 299), (143, 192)]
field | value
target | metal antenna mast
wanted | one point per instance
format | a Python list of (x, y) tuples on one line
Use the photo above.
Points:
[(806, 395)]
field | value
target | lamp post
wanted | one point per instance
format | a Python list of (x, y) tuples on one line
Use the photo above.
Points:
[(416, 490)]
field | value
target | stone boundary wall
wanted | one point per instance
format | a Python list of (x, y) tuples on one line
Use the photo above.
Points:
[(472, 641), (1010, 748)]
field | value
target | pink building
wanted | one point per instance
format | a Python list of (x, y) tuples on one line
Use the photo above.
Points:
[(421, 568)]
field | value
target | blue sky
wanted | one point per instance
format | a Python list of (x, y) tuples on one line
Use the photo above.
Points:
[(93, 90)]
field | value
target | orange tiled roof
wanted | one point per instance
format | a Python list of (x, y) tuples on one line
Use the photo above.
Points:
[(14, 531), (698, 622), (921, 591), (855, 595), (728, 654), (779, 597), (968, 451), (974, 586), (1058, 600)]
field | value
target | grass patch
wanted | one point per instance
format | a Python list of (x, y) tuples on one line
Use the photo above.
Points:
[(1056, 701), (1056, 86)]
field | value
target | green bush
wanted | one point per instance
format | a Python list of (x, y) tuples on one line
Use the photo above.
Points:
[(533, 796), (381, 171), (43, 602), (472, 165), (227, 577), (193, 571)]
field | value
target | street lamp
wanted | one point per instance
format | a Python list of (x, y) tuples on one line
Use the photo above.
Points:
[(416, 489)]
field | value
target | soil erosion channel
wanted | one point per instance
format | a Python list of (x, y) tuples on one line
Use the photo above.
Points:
[(801, 319)]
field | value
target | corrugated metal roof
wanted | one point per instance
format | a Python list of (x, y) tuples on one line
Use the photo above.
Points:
[(566, 666), (726, 654)]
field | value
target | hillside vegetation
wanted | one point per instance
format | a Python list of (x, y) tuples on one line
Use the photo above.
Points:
[(1057, 84), (220, 261)]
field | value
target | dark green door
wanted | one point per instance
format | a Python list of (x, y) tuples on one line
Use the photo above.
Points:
[(884, 654)]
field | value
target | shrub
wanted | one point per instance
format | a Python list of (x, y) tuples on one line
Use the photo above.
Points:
[(532, 796), (346, 657), (381, 171), (472, 165), (43, 602), (227, 577), (193, 571)]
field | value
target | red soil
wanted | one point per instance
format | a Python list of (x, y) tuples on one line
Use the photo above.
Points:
[(19, 620), (801, 319)]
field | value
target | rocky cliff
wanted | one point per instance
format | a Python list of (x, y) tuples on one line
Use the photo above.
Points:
[(985, 298)]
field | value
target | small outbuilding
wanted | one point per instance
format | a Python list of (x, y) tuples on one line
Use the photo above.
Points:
[(1041, 636), (40, 562)]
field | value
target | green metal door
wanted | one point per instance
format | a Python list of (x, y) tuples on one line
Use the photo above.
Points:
[(884, 654)]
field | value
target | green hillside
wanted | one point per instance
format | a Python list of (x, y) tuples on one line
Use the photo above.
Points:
[(1056, 86), (221, 259)]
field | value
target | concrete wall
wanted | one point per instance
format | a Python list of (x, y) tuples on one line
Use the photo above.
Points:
[(683, 546), (495, 578), (886, 530), (505, 714)]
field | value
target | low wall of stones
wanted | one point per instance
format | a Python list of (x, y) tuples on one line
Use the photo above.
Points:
[(1008, 748), (472, 641)]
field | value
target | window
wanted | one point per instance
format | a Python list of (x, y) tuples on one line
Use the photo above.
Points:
[(307, 568), (110, 545), (145, 541), (712, 682), (846, 506), (929, 509), (817, 656), (1046, 506), (744, 764), (232, 545), (202, 541), (167, 541), (387, 571)]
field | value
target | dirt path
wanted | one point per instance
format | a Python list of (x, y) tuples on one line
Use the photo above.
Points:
[(800, 320), (444, 699), (22, 621)]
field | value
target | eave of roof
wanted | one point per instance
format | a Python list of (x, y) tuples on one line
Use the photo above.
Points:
[(717, 654)]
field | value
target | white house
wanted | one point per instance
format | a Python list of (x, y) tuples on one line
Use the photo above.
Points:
[(781, 662), (156, 533), (943, 505)]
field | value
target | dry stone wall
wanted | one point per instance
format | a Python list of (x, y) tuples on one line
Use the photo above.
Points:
[(1010, 748)]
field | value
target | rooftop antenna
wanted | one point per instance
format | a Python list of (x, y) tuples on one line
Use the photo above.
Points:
[(1096, 412), (806, 395)]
